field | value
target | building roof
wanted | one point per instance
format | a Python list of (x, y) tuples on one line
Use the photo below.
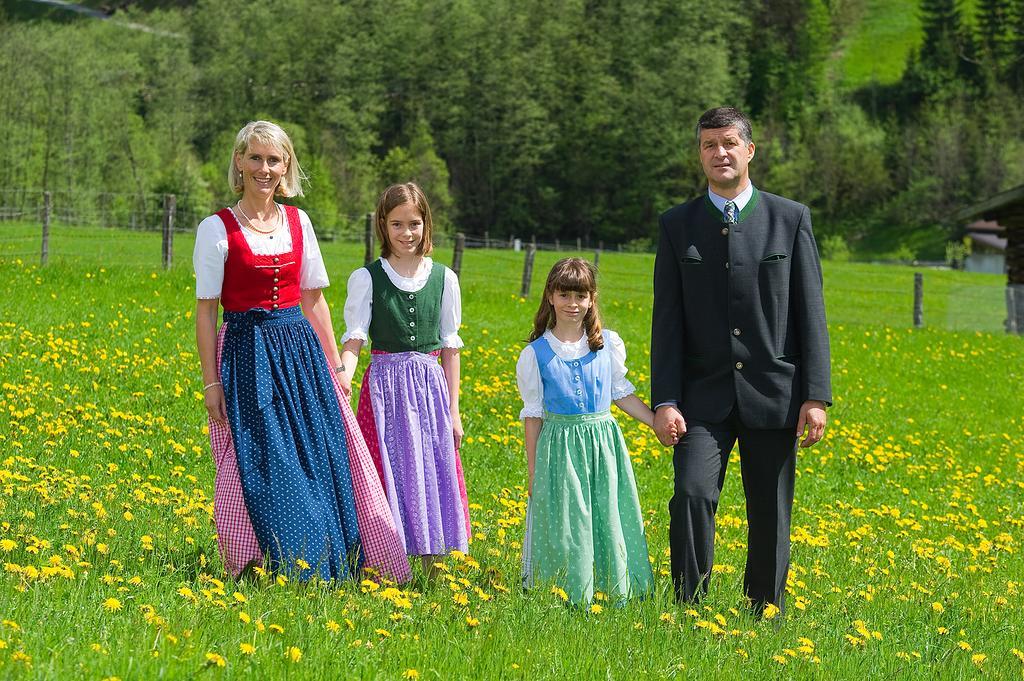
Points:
[(990, 240), (1004, 204)]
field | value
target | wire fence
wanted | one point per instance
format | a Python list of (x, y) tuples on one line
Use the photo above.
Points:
[(143, 229)]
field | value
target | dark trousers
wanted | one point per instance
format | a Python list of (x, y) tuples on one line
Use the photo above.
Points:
[(768, 467)]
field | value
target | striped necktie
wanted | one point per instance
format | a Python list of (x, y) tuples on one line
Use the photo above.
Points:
[(730, 213)]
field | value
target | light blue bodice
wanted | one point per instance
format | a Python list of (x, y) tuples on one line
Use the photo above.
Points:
[(575, 386)]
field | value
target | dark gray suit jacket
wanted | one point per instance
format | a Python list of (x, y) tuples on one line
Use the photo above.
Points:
[(739, 317)]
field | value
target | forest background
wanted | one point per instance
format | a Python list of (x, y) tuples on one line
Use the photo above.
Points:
[(561, 119)]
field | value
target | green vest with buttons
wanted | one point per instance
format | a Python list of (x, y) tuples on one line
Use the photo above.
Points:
[(404, 321)]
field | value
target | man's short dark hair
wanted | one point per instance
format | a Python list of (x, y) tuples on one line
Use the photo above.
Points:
[(726, 117)]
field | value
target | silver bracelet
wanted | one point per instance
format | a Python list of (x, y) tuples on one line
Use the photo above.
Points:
[(207, 387), (339, 369)]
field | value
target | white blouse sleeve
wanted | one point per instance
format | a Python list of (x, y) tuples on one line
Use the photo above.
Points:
[(357, 306), (621, 387), (313, 273), (208, 257), (451, 311), (530, 387)]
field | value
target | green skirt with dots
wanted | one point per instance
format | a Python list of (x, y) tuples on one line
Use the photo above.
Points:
[(584, 528)]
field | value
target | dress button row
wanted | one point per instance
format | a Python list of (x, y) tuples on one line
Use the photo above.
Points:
[(576, 378), (275, 288), (412, 309), (411, 296), (576, 364), (582, 405), (277, 260), (274, 306), (276, 280), (277, 270), (578, 391), (412, 338), (273, 297), (412, 323)]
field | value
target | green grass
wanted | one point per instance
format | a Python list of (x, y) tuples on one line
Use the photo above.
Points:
[(913, 499), (877, 50)]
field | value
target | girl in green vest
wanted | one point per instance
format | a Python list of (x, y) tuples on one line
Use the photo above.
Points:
[(409, 308)]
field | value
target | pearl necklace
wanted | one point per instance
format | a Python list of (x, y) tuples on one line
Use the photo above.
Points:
[(251, 226)]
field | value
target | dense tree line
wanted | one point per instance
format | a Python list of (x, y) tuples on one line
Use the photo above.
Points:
[(556, 119)]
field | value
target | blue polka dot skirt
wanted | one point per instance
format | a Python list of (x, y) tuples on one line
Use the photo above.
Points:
[(289, 437)]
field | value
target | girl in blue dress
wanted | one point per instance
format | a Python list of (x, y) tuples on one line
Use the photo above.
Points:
[(585, 531)]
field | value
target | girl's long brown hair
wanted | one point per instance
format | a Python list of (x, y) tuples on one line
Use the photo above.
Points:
[(570, 274)]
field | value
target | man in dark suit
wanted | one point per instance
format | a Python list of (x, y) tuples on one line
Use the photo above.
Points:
[(739, 351)]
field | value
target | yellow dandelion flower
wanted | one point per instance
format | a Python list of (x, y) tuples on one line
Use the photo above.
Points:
[(216, 660), (240, 597), (383, 633), (1018, 654), (8, 544), (964, 645), (937, 607), (293, 654), (276, 629), (596, 609), (301, 564), (247, 648), (112, 605), (979, 659), (771, 611), (333, 626), (779, 658), (411, 674), (560, 593), (472, 621), (244, 617), (461, 598)]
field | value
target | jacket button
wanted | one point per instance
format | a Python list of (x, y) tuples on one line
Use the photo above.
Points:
[(735, 332), (725, 230), (739, 365), (726, 265)]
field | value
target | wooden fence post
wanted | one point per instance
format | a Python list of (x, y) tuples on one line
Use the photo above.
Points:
[(487, 239), (44, 256), (368, 238), (918, 300), (597, 257), (579, 244), (170, 200), (460, 245), (531, 251), (1015, 309), (558, 245)]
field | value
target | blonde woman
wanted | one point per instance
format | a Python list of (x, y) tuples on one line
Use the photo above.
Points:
[(295, 485)]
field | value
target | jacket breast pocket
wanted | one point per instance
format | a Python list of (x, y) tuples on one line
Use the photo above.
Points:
[(774, 258)]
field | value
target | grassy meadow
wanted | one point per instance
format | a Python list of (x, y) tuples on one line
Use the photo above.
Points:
[(907, 529)]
